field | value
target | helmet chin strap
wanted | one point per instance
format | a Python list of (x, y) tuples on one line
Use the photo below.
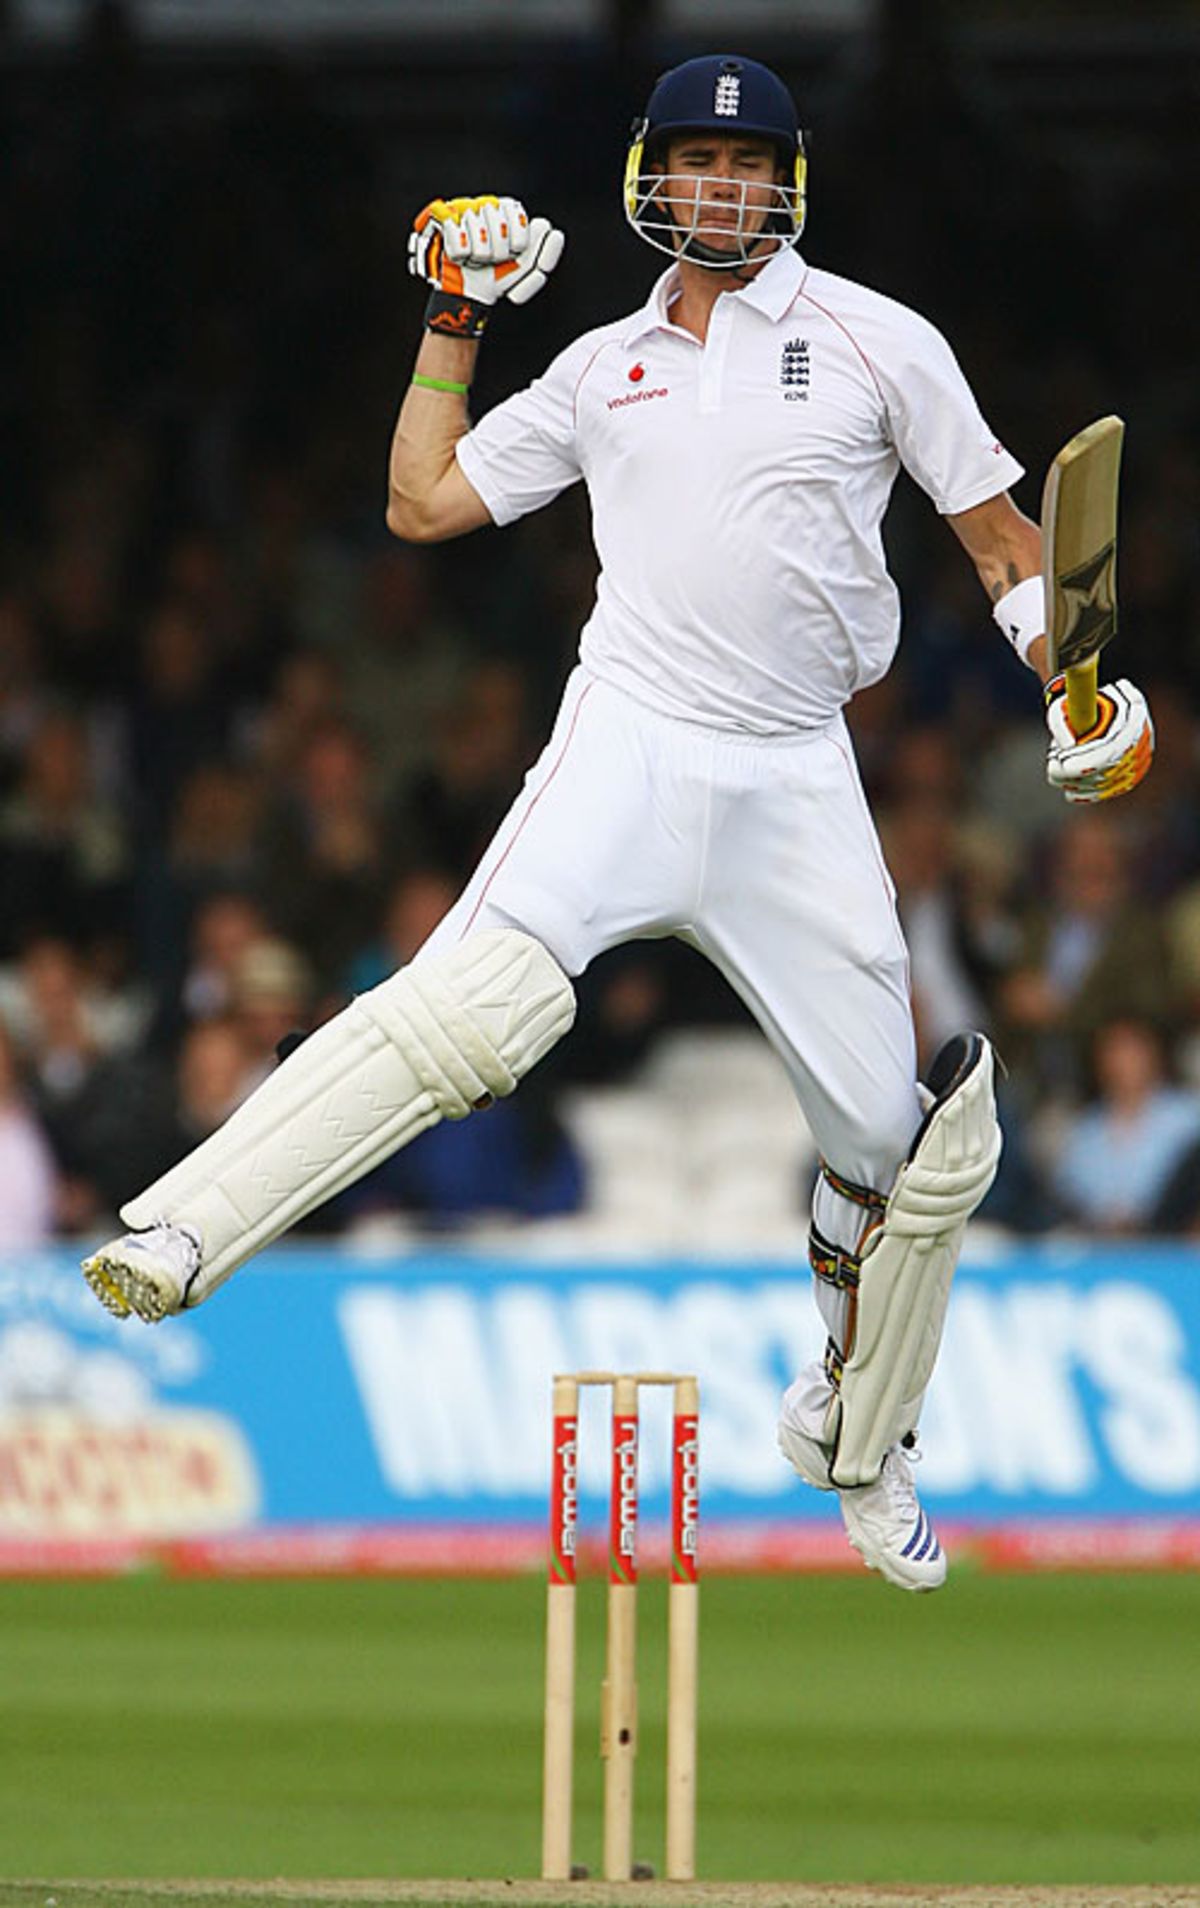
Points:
[(696, 252), (693, 248)]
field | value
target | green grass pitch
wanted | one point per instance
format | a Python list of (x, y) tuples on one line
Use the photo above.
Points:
[(1009, 1730)]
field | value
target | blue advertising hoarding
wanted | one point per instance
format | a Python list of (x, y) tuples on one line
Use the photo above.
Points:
[(395, 1411)]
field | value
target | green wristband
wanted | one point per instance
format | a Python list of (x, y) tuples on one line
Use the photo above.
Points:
[(441, 384)]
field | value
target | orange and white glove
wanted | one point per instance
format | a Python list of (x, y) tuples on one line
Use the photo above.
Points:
[(1114, 754), (473, 252)]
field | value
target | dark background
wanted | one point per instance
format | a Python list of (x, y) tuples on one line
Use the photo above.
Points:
[(250, 745)]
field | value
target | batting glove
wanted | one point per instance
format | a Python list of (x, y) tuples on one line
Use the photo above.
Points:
[(474, 252), (1114, 754)]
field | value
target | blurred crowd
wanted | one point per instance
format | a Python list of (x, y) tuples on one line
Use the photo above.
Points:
[(250, 746)]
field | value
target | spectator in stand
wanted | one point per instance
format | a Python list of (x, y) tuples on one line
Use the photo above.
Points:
[(56, 986), (1121, 1150), (416, 904), (101, 1105), (52, 1016), (1090, 954), (223, 928), (323, 850), (452, 809), (115, 1116), (212, 850), (919, 845), (406, 666), (627, 1000), (955, 883), (210, 1078), (273, 998), (197, 982), (178, 714), (27, 1172), (214, 830), (308, 690), (63, 852), (1177, 1208), (1168, 807), (955, 681)]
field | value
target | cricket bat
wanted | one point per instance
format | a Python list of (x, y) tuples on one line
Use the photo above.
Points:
[(1079, 560)]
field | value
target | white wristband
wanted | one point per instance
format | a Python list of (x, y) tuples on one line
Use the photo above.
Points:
[(1022, 614)]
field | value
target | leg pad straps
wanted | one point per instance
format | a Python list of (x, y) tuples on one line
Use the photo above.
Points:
[(908, 1263), (433, 1041)]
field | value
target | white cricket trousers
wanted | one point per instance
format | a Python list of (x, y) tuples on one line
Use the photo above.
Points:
[(758, 850)]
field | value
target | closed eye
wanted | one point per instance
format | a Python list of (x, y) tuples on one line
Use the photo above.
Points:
[(748, 159)]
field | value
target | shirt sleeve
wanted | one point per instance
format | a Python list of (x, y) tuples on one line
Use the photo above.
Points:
[(935, 424), (524, 452)]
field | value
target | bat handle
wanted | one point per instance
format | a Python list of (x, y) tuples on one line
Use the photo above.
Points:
[(1082, 706)]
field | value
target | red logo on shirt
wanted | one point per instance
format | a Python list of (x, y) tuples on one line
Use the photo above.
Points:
[(637, 397), (637, 373)]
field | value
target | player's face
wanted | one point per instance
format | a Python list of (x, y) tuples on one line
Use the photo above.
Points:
[(720, 188)]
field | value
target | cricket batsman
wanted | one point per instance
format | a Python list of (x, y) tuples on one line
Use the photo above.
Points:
[(739, 435)]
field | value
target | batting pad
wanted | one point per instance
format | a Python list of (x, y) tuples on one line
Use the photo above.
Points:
[(904, 1285), (432, 1042)]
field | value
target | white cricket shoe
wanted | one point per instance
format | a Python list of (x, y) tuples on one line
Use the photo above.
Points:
[(885, 1522), (807, 1455), (146, 1272)]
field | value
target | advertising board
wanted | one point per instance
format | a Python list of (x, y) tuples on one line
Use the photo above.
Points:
[(331, 1412)]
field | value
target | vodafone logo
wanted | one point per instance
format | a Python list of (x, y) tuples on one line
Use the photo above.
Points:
[(638, 397), (636, 373)]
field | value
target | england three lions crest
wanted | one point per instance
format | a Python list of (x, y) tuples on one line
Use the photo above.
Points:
[(794, 369)]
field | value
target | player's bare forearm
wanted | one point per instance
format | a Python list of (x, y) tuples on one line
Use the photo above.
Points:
[(1006, 547), (470, 254), (428, 497)]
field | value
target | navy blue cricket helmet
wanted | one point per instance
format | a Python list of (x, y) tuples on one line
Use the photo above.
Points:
[(721, 93)]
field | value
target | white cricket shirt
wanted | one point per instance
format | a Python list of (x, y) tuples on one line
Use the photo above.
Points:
[(738, 487)]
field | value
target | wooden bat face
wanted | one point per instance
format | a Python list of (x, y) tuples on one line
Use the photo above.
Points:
[(1079, 538)]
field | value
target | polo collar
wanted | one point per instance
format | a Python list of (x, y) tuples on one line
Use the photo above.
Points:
[(771, 291), (774, 288)]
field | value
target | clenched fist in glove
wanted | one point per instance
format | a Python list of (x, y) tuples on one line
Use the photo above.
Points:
[(1112, 756), (474, 252)]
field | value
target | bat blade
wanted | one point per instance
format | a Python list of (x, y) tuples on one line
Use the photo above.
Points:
[(1079, 557)]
